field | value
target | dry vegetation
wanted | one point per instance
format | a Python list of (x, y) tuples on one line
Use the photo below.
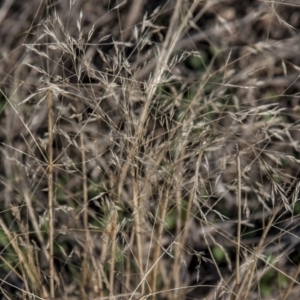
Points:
[(149, 149)]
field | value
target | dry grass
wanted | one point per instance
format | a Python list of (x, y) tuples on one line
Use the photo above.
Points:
[(149, 150)]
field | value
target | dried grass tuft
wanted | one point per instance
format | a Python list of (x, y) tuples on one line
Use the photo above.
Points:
[(149, 150)]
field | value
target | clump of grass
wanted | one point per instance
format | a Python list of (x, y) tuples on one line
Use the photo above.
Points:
[(144, 155)]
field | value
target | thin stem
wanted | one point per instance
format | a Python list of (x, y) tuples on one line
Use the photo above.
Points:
[(50, 194), (162, 213), (239, 221), (137, 223), (177, 254), (113, 234), (85, 219), (188, 213)]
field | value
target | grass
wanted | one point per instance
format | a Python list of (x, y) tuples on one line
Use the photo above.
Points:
[(149, 150)]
